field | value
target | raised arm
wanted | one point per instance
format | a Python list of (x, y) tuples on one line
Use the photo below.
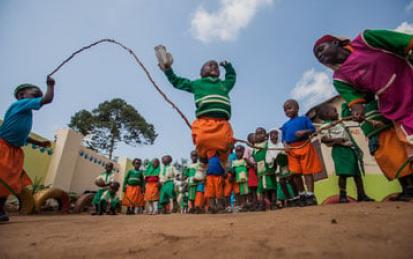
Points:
[(178, 82), (230, 75), (49, 95)]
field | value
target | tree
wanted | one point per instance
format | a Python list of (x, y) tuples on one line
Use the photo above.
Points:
[(112, 122)]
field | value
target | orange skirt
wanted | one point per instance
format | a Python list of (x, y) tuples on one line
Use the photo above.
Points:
[(303, 160), (151, 192), (214, 187), (392, 154), (133, 196), (199, 200), (11, 169), (212, 137)]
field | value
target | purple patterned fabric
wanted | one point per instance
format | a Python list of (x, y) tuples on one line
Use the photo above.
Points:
[(388, 76)]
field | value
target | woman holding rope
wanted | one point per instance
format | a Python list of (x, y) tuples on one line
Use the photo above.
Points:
[(379, 63)]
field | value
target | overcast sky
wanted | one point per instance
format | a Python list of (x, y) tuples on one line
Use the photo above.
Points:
[(269, 43)]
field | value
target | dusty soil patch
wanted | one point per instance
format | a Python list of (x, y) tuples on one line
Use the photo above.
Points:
[(373, 230)]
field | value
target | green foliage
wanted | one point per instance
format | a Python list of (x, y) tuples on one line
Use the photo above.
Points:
[(112, 122)]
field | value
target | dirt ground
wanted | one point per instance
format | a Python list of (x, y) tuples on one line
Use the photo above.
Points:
[(369, 230)]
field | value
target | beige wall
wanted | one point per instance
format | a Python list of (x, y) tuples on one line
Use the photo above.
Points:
[(74, 168)]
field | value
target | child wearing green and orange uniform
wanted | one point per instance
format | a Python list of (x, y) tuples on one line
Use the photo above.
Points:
[(151, 196), (192, 185), (211, 132), (14, 133), (386, 148), (239, 165), (266, 182), (109, 202), (166, 179), (133, 188), (103, 181)]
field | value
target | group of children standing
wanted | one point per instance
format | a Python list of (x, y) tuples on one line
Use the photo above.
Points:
[(274, 170)]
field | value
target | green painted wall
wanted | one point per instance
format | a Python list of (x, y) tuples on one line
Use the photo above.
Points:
[(376, 186), (36, 163)]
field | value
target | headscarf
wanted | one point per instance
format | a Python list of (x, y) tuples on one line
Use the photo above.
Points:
[(272, 154), (344, 42)]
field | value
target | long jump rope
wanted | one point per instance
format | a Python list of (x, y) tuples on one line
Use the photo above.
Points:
[(165, 97)]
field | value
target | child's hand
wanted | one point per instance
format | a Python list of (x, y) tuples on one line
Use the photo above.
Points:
[(164, 67), (223, 63), (357, 111), (301, 133), (50, 81)]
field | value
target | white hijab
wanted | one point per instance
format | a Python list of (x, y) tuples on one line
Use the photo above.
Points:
[(272, 154)]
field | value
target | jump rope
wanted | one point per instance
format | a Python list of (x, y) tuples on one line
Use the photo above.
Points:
[(181, 114)]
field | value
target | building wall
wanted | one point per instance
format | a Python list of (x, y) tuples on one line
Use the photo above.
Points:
[(74, 167)]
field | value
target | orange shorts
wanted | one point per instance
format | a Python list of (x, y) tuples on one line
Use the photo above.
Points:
[(236, 188), (391, 154), (214, 186), (303, 160), (211, 137), (228, 185), (199, 200), (11, 169), (133, 196), (151, 192)]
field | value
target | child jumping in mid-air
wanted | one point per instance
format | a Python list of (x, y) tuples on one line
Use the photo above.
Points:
[(14, 133), (211, 131), (152, 187), (102, 182), (133, 188), (166, 179), (266, 183), (302, 156), (239, 166), (108, 202), (346, 154)]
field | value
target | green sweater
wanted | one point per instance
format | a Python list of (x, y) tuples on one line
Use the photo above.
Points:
[(211, 94), (133, 178)]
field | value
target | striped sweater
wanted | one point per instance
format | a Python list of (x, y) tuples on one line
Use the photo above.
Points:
[(211, 94)]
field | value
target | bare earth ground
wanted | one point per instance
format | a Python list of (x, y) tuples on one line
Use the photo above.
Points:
[(369, 230)]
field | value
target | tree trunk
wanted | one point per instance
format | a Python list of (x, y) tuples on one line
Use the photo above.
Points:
[(112, 145)]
